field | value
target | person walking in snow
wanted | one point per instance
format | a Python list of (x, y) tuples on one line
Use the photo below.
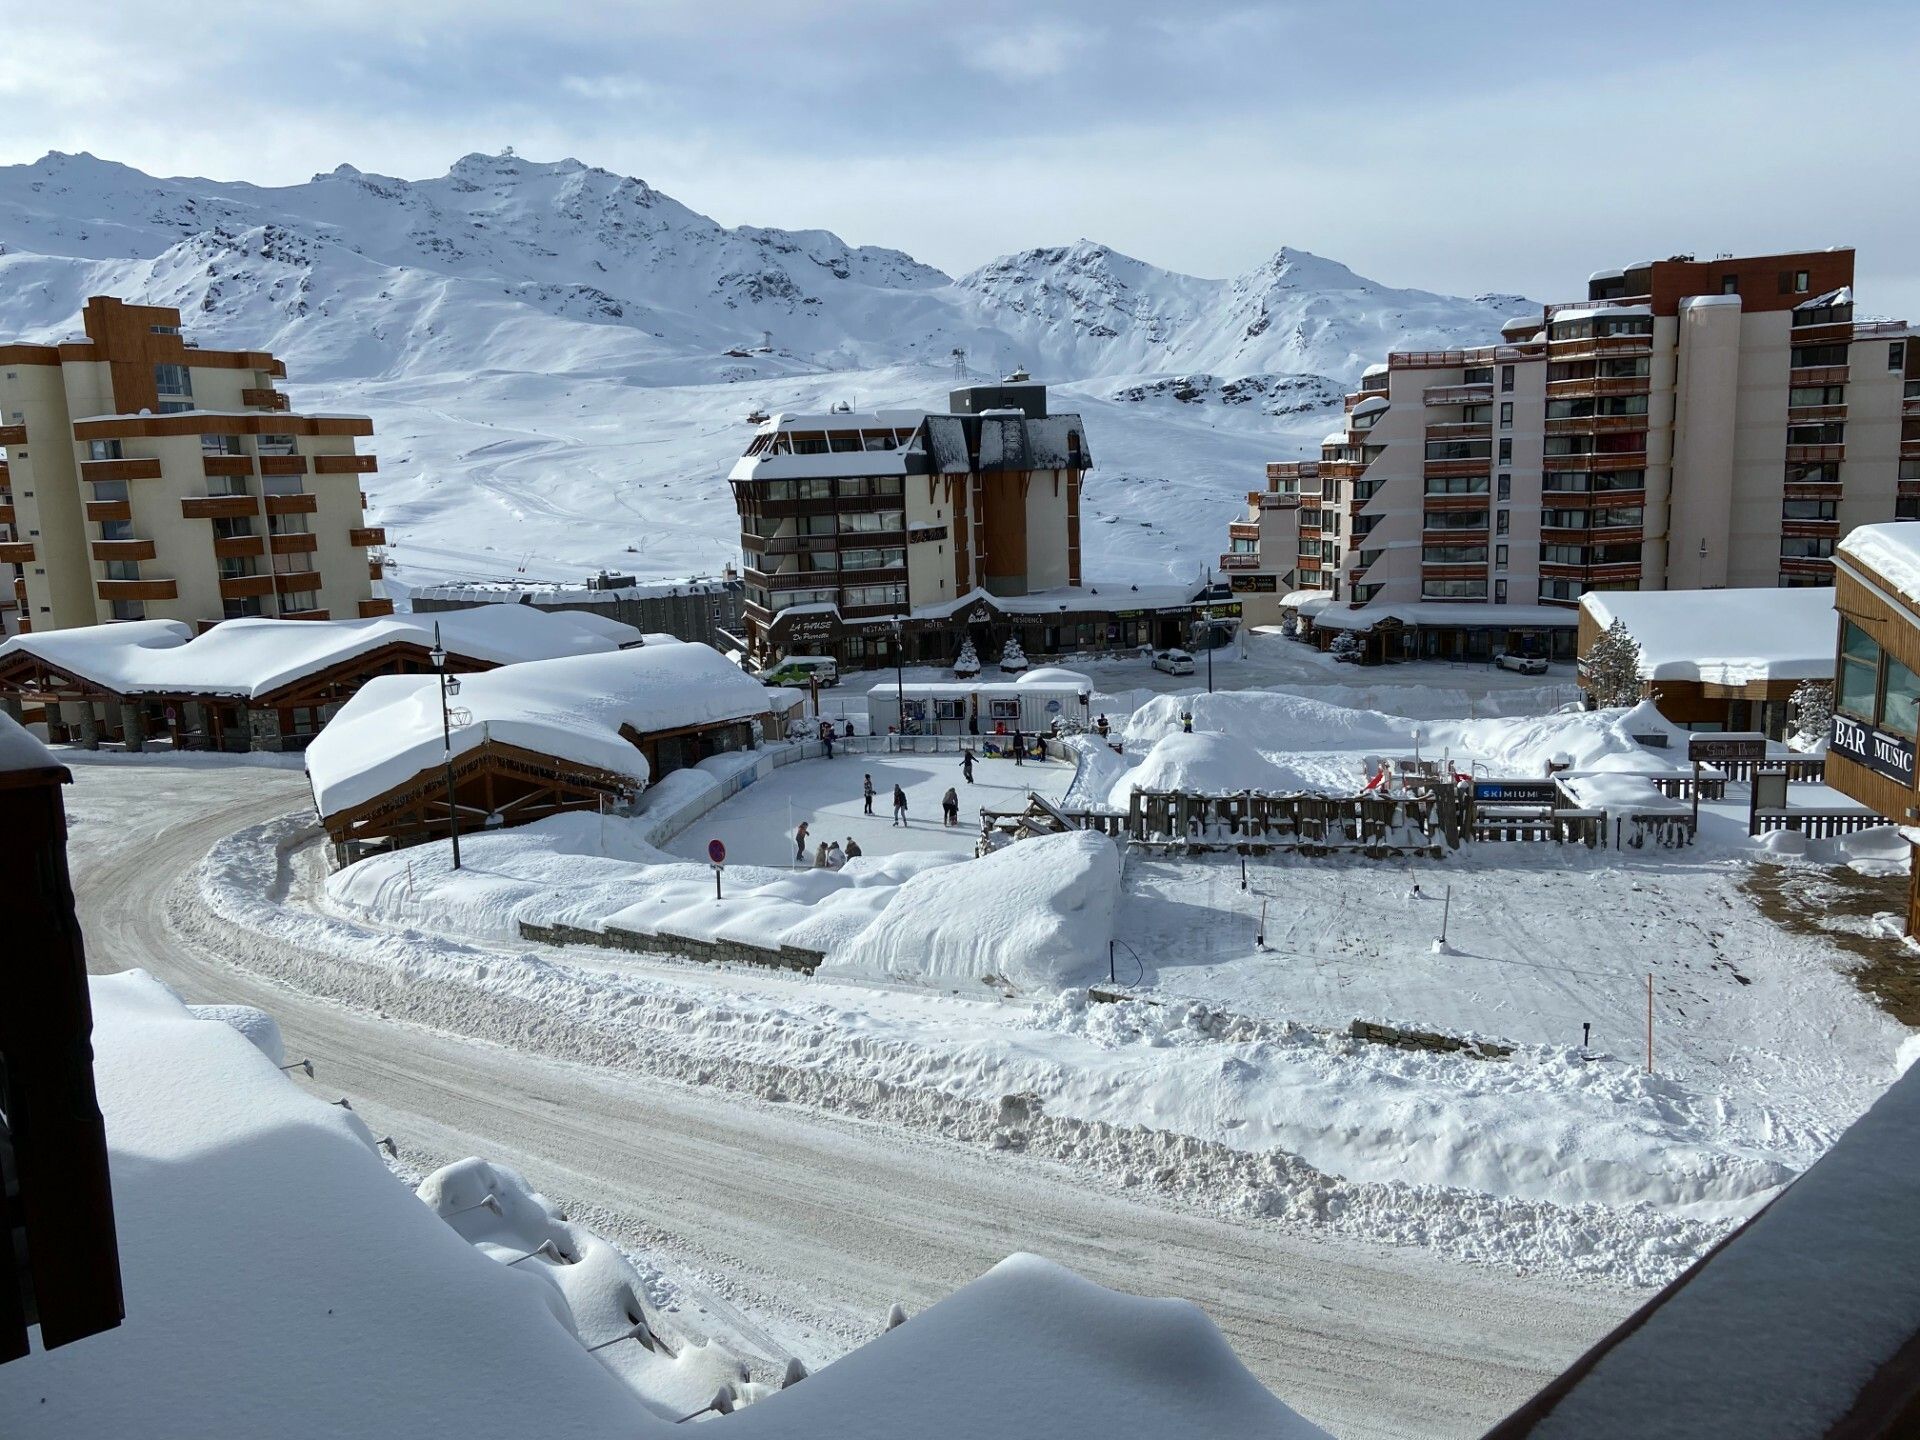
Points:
[(966, 767), (826, 736), (950, 807), (836, 857), (800, 843), (1019, 747), (820, 857), (1186, 722), (899, 806), (1102, 726), (866, 792), (853, 852)]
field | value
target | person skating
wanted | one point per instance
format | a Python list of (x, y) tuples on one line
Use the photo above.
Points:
[(853, 852), (800, 843), (966, 766), (950, 807), (866, 792), (899, 806), (836, 857)]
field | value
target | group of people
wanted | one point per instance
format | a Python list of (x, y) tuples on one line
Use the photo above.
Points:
[(828, 855)]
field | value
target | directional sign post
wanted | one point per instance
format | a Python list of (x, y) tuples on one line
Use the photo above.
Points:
[(717, 853)]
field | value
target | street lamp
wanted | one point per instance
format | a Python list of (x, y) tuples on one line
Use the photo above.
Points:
[(899, 674), (449, 685), (1209, 613)]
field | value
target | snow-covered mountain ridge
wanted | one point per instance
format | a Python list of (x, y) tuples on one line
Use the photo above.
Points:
[(568, 351)]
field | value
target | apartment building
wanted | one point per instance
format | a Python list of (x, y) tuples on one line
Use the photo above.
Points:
[(1687, 425), (147, 478), (861, 533)]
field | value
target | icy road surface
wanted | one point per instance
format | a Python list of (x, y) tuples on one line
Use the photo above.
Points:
[(797, 1227)]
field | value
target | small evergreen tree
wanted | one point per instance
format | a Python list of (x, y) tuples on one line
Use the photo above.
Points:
[(1811, 710), (1611, 669), (1347, 645), (967, 663), (1013, 659)]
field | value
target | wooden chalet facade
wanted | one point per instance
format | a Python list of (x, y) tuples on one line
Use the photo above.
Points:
[(84, 711)]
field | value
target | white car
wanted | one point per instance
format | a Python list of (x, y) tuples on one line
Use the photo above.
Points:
[(1524, 664), (1173, 662)]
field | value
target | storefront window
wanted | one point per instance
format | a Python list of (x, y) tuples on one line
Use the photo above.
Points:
[(1900, 700), (1859, 672)]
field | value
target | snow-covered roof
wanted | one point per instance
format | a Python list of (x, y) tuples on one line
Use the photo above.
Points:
[(20, 752), (256, 656), (1600, 308), (842, 420), (1606, 275), (1842, 296), (549, 592), (1891, 552), (1307, 602), (1056, 675), (571, 708), (1334, 437), (1710, 302), (1372, 403), (1521, 322), (1104, 597), (1378, 368), (1006, 689), (1446, 612), (1724, 637)]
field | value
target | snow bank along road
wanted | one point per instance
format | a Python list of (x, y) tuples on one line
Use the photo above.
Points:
[(804, 1226)]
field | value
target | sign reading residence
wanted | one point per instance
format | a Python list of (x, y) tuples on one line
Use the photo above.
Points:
[(1712, 747), (1890, 755)]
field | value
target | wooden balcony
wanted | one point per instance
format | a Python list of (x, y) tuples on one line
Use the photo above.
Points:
[(1441, 535), (306, 614), (237, 547), (1444, 469), (1629, 460), (16, 552), (1825, 332), (1472, 570), (283, 464), (1478, 501), (1283, 470), (119, 469), (291, 504), (1600, 345), (137, 589), (367, 535), (123, 550), (1593, 387), (13, 434), (1243, 530), (1818, 375), (371, 608), (1479, 393), (345, 464), (1910, 449), (263, 399), (1802, 454), (217, 507), (98, 510), (376, 570), (1815, 414), (1231, 561), (1811, 529), (6, 514), (1565, 534), (245, 587), (293, 544), (291, 582), (1461, 430), (227, 465)]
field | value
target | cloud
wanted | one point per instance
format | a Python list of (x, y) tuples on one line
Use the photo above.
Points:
[(1034, 53)]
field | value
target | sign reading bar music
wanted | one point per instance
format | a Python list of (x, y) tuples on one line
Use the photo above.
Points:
[(1890, 755)]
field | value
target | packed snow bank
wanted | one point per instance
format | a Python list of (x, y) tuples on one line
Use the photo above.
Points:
[(274, 1268), (1037, 914), (596, 1292), (1206, 764), (1031, 1349)]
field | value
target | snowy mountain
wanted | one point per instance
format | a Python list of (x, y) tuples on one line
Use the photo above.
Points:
[(558, 358)]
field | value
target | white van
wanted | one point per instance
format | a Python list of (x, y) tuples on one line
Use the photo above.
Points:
[(799, 670)]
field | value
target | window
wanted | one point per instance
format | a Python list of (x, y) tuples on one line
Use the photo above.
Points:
[(241, 608), (227, 485), (233, 567), (172, 380), (286, 524), (842, 442), (1822, 472), (1453, 589), (1808, 509), (1506, 414), (1456, 485), (232, 527), (1456, 520), (1801, 281), (1454, 554), (1806, 547), (103, 450), (294, 601), (1817, 395), (281, 485), (1807, 356), (220, 445), (123, 569), (1729, 284), (1500, 563), (274, 445), (1500, 521), (814, 444), (1506, 452), (1506, 488), (1499, 592), (116, 530), (126, 610), (1620, 517), (1460, 449), (862, 522), (1476, 414), (1897, 355), (1506, 379), (1831, 433), (1563, 519)]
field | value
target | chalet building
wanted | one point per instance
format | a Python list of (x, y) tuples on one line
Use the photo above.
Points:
[(584, 732), (1876, 691), (899, 532), (1688, 425), (145, 478), (258, 684), (1720, 659)]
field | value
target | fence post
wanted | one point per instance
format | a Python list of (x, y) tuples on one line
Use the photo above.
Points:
[(1649, 1023)]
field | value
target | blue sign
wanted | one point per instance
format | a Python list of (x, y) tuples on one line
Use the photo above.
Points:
[(1053, 707), (1517, 792)]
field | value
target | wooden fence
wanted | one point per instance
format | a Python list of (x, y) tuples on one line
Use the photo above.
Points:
[(1817, 824), (1259, 822)]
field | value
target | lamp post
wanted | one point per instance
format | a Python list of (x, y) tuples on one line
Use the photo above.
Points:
[(448, 686), (1209, 613), (899, 674)]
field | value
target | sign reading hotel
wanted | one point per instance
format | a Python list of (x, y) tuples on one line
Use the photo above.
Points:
[(1890, 755)]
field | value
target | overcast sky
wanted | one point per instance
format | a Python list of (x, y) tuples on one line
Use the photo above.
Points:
[(1507, 147)]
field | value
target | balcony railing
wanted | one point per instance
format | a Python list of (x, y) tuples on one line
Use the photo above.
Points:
[(137, 589), (1815, 454), (99, 510), (344, 465), (119, 469), (16, 552), (1816, 414), (1818, 375), (1461, 430), (299, 544), (244, 587), (1243, 530), (123, 550), (367, 535), (13, 434), (264, 399), (372, 608), (1596, 386), (237, 547), (217, 507), (1478, 393), (292, 504), (1594, 424), (1232, 561), (283, 464), (294, 582)]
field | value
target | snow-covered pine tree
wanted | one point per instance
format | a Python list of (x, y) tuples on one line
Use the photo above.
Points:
[(1811, 709), (1013, 659), (967, 663), (1611, 669), (1347, 646)]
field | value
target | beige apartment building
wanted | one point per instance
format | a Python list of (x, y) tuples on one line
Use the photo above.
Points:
[(1688, 425), (146, 478)]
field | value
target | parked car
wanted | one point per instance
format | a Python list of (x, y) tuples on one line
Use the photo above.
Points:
[(1523, 664), (800, 670), (1173, 662)]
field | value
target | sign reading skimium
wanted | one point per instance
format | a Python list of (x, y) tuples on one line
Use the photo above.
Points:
[(1891, 755)]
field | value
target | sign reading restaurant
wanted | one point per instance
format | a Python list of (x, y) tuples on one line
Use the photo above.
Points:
[(1891, 755)]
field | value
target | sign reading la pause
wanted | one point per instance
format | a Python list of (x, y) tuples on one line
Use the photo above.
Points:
[(1890, 755)]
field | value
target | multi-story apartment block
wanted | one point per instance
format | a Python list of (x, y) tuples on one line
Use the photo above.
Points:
[(861, 533), (146, 478), (1688, 425)]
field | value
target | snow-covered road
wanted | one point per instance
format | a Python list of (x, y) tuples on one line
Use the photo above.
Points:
[(803, 1226)]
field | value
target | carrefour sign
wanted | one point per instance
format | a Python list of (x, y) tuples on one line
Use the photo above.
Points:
[(1891, 755)]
